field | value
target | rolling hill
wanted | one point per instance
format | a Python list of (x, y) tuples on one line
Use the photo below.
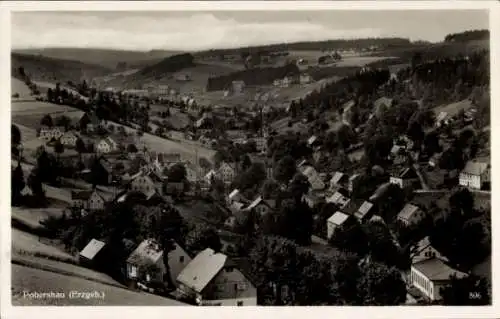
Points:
[(106, 58), (41, 68)]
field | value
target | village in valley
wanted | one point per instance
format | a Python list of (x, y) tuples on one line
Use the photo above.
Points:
[(342, 172)]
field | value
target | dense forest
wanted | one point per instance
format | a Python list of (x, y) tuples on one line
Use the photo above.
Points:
[(256, 76), (171, 64), (469, 35)]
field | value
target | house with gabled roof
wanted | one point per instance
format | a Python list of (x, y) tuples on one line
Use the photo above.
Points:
[(410, 215), (144, 183), (88, 200), (404, 178), (146, 262), (69, 139), (336, 220), (106, 145), (213, 279), (339, 179), (423, 250), (227, 172), (313, 177), (431, 275), (338, 199), (92, 254), (260, 206), (365, 211), (475, 174)]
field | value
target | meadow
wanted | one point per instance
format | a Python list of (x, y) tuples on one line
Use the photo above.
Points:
[(30, 279)]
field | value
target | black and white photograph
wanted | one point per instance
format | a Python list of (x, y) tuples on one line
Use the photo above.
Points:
[(297, 157)]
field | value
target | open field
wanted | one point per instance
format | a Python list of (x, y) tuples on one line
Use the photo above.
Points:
[(453, 108), (29, 279), (64, 268), (43, 86), (25, 243), (32, 217), (38, 108), (158, 144), (19, 87)]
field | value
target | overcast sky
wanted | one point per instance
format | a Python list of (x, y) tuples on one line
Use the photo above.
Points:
[(206, 30)]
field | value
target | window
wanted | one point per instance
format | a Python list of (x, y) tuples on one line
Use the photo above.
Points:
[(239, 303), (181, 259), (241, 286)]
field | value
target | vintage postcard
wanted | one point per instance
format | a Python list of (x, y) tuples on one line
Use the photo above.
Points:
[(249, 154)]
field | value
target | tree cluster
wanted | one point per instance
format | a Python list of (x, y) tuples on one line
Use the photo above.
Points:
[(287, 274), (255, 76)]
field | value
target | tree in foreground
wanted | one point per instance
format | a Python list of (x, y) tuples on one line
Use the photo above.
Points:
[(201, 237)]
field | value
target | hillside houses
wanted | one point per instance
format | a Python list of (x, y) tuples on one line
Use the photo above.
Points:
[(146, 263), (106, 145), (51, 133)]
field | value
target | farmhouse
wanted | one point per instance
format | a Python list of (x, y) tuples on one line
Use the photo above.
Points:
[(88, 200), (227, 172), (430, 275), (49, 133), (143, 183), (212, 279), (475, 174), (410, 215), (353, 182), (404, 178), (335, 221), (306, 79), (69, 139), (106, 145), (92, 254), (146, 262)]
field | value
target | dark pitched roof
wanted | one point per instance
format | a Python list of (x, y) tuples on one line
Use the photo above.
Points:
[(81, 195), (436, 270), (406, 173)]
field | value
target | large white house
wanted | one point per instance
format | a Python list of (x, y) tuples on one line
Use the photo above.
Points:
[(430, 275), (475, 174)]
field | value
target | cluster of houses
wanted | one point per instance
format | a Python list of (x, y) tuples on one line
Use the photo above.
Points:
[(290, 80), (208, 278)]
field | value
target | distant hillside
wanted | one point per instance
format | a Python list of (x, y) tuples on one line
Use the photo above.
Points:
[(43, 68), (469, 35), (104, 57), (437, 50), (160, 69), (311, 46)]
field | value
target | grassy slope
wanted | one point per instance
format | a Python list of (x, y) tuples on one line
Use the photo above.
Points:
[(29, 279), (103, 57), (42, 68)]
